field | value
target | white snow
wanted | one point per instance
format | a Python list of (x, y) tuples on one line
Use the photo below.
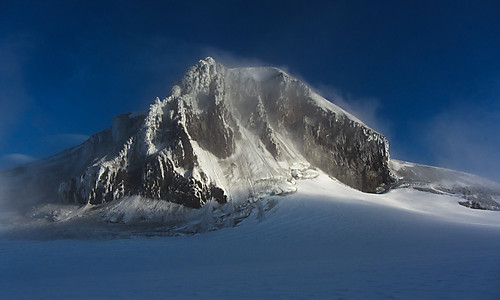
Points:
[(443, 177), (325, 241)]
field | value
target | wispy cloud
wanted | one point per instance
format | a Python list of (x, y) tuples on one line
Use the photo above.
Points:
[(466, 138), (366, 109), (15, 159), (51, 144), (232, 60)]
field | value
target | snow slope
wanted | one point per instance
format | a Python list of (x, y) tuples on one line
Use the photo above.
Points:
[(324, 241), (476, 192)]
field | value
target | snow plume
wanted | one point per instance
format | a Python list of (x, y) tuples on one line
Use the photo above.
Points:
[(366, 109), (231, 60), (466, 138)]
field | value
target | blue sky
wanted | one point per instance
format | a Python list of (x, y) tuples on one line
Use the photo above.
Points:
[(424, 73)]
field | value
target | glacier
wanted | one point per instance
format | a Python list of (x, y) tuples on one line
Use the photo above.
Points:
[(327, 240)]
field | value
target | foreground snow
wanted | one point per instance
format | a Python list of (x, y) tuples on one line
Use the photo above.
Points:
[(326, 240)]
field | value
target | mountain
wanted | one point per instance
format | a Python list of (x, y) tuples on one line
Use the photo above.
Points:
[(229, 136), (222, 134)]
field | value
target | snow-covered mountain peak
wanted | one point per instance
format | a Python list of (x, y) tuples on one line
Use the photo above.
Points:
[(199, 77), (232, 137), (224, 134)]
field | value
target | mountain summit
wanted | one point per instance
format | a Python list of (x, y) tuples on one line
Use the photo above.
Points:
[(223, 134)]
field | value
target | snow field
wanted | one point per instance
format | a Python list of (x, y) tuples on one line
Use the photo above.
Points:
[(325, 241)]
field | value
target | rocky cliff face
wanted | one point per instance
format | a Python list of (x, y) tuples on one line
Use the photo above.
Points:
[(224, 134)]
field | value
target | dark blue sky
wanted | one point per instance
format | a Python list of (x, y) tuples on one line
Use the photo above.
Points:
[(424, 73)]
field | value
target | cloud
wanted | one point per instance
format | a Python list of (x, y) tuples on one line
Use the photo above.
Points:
[(231, 60), (366, 109), (50, 145), (15, 159), (466, 138)]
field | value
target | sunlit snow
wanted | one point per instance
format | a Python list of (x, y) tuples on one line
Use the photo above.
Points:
[(326, 240)]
